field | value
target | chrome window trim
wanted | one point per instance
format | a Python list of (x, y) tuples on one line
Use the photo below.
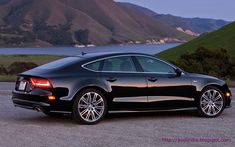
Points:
[(129, 55), (168, 98), (149, 99), (140, 99)]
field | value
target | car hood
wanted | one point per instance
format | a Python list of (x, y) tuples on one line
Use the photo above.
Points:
[(194, 75)]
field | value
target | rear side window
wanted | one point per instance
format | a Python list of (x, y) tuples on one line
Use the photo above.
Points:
[(121, 64), (116, 64), (94, 66)]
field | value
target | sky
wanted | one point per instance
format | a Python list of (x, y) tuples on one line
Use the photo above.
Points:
[(216, 9)]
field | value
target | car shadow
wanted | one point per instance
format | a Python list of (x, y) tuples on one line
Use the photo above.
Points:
[(154, 114), (110, 117)]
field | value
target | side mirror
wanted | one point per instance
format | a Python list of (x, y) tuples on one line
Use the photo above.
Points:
[(178, 72)]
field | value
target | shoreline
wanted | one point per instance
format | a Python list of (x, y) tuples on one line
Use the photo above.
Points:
[(140, 48)]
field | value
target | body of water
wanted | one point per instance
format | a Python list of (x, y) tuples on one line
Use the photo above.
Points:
[(147, 49)]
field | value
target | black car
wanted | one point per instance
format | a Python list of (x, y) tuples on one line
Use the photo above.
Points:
[(90, 85)]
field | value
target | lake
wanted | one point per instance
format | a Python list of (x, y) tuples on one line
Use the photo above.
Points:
[(147, 49)]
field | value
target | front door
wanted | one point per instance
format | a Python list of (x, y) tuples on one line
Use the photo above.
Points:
[(164, 84)]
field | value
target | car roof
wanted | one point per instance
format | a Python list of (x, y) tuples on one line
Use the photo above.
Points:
[(107, 54), (96, 56)]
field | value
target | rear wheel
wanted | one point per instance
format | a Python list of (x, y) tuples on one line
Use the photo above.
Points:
[(211, 102), (90, 106)]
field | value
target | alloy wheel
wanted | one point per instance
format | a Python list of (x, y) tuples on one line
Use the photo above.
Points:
[(211, 102), (91, 106)]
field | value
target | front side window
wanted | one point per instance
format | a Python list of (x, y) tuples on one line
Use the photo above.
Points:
[(122, 64), (153, 65)]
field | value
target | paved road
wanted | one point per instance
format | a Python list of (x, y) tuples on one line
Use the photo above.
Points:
[(19, 127)]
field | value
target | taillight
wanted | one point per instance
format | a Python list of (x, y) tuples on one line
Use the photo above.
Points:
[(41, 83)]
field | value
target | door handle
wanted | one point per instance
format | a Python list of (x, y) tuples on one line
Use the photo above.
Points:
[(111, 79), (152, 79)]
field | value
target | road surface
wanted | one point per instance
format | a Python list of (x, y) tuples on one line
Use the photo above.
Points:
[(20, 127)]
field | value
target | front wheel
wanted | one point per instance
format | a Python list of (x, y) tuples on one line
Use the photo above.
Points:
[(211, 102), (90, 106)]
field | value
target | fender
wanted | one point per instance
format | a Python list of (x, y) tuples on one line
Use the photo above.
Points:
[(91, 82)]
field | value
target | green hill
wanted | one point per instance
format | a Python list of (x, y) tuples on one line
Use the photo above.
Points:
[(222, 38)]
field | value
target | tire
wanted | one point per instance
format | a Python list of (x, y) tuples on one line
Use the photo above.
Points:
[(211, 102), (90, 107)]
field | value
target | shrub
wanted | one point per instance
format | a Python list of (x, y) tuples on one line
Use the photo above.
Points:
[(213, 62), (18, 67), (3, 70)]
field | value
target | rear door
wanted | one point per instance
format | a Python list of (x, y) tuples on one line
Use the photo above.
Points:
[(125, 83)]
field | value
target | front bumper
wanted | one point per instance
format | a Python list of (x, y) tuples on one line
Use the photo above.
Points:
[(228, 99)]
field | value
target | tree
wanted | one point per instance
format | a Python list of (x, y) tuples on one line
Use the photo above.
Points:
[(56, 35), (3, 70), (82, 36)]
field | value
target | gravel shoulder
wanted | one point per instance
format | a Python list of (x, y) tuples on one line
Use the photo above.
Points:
[(20, 127)]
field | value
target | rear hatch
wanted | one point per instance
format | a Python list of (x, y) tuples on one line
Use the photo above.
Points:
[(39, 76)]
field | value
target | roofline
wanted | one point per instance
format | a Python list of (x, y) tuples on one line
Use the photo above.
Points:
[(103, 54)]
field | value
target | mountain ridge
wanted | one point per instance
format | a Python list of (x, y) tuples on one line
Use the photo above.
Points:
[(107, 22), (197, 25)]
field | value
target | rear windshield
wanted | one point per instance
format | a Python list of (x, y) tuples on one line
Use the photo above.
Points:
[(60, 63)]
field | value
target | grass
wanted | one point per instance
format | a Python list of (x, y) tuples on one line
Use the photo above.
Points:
[(7, 78), (222, 38), (7, 60)]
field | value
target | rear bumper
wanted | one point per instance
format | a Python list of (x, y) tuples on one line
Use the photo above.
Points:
[(39, 106), (228, 102), (40, 101)]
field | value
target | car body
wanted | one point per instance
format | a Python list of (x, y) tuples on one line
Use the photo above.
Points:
[(119, 81)]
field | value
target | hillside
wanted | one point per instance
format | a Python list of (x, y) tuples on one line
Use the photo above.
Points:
[(222, 38), (105, 20), (197, 25), (68, 22), (150, 24)]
